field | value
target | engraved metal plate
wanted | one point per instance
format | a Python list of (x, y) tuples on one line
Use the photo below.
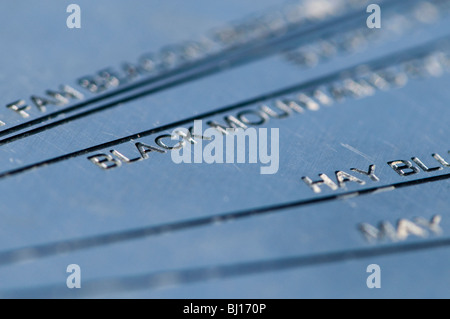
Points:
[(364, 158)]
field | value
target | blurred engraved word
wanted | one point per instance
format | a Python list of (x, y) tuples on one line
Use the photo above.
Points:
[(419, 227), (74, 19)]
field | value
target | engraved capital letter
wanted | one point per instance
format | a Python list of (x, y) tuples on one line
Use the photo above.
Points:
[(324, 180), (104, 161)]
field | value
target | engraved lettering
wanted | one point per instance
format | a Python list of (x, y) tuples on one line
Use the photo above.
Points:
[(232, 122), (315, 185), (144, 149), (105, 161), (424, 167), (370, 172), (403, 168), (19, 107), (343, 177)]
